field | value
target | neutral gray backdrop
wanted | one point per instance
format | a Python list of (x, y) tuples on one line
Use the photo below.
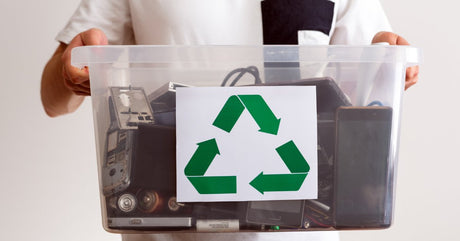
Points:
[(48, 173)]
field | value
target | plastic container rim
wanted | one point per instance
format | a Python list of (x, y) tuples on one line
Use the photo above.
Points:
[(107, 54)]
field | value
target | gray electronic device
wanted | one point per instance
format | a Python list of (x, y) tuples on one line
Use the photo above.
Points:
[(163, 103), (287, 213), (128, 109), (131, 107), (362, 167)]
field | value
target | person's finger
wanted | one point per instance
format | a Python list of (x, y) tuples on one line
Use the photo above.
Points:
[(389, 37), (75, 78), (69, 84), (89, 37), (86, 93), (76, 75), (411, 76), (72, 73), (86, 84), (76, 88), (93, 36), (395, 39)]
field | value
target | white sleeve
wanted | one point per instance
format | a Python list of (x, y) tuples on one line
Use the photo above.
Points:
[(111, 16), (358, 21)]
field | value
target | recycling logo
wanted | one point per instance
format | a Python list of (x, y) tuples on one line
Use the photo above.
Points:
[(207, 151), (246, 143)]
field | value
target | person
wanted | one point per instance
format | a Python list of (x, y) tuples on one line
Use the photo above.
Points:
[(208, 22), (63, 86)]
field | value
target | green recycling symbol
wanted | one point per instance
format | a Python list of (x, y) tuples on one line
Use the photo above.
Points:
[(267, 121)]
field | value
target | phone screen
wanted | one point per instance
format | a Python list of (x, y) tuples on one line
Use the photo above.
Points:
[(362, 157)]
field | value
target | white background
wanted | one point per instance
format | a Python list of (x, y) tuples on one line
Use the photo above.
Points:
[(48, 174)]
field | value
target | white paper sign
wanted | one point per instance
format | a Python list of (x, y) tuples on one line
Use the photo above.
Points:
[(246, 143)]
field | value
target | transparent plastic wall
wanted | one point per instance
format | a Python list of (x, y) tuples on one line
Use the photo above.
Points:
[(359, 94)]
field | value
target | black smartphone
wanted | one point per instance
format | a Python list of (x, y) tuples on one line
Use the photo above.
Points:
[(362, 175)]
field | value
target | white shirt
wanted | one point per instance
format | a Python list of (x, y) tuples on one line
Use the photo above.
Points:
[(213, 22), (216, 22)]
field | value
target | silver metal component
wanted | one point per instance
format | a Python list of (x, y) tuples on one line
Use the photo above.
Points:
[(116, 171), (320, 205), (218, 225), (166, 94), (131, 106), (113, 202), (173, 205), (127, 202), (148, 200), (306, 223), (151, 222)]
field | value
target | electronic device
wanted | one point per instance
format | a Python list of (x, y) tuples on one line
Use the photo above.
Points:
[(362, 167), (329, 96), (287, 213), (163, 103), (128, 108)]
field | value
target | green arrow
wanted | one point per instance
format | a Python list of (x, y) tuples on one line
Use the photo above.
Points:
[(261, 113), (202, 158), (228, 116), (214, 185), (293, 158), (278, 182)]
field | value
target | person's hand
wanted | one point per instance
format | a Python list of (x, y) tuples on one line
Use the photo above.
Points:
[(394, 39), (75, 79)]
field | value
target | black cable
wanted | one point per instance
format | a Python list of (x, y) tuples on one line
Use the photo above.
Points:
[(242, 71)]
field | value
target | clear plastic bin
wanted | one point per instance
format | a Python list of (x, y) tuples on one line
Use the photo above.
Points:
[(358, 97)]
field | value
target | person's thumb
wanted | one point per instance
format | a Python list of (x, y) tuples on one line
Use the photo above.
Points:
[(93, 36), (389, 37)]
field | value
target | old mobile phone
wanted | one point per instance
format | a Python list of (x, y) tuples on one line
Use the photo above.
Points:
[(128, 108), (362, 167)]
